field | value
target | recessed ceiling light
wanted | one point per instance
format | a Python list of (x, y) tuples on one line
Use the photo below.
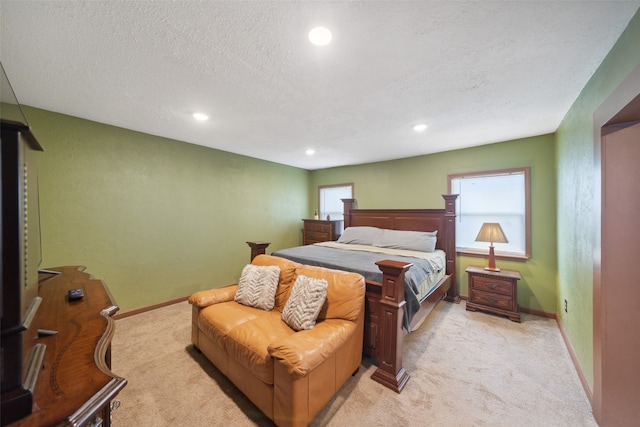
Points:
[(200, 116), (420, 127), (320, 36), (310, 152)]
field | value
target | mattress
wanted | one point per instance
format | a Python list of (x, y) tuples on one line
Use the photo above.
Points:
[(427, 270)]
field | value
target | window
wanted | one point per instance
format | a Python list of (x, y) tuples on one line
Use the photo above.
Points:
[(495, 196), (329, 200)]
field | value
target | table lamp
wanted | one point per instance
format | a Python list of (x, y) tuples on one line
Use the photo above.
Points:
[(491, 232)]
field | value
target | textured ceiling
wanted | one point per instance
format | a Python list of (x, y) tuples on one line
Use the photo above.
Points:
[(477, 72)]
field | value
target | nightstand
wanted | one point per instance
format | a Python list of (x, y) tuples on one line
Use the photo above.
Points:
[(495, 292)]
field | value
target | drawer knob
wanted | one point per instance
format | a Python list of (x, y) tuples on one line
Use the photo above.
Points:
[(493, 300), (491, 285)]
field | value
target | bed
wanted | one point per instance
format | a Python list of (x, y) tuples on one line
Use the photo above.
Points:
[(391, 311)]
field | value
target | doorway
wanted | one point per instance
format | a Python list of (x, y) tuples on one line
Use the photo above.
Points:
[(616, 293)]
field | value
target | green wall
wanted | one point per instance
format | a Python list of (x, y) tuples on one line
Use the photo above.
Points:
[(575, 166), (156, 219), (419, 182)]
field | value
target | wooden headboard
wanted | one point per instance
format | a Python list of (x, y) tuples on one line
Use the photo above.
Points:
[(440, 220)]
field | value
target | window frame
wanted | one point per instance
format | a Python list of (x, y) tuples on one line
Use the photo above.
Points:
[(483, 253), (321, 187)]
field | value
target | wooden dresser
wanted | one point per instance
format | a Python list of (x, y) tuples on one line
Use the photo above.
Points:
[(494, 291), (75, 386), (317, 230)]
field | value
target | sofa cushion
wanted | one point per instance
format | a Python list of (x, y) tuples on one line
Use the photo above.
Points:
[(287, 276), (257, 286), (217, 320), (248, 343), (345, 294), (305, 302)]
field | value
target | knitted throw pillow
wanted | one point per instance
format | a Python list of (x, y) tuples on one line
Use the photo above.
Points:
[(257, 286), (305, 302)]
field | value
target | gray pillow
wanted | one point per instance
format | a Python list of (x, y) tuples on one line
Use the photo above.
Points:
[(423, 241), (305, 302), (257, 286), (360, 235)]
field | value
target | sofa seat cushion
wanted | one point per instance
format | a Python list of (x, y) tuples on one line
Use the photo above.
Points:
[(248, 343), (217, 320)]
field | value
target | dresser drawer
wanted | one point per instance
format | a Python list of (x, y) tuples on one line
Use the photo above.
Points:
[(503, 302), (317, 227), (313, 237), (492, 284), (316, 231)]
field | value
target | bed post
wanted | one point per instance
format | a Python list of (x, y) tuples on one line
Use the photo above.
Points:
[(348, 206), (258, 248), (450, 249), (390, 372)]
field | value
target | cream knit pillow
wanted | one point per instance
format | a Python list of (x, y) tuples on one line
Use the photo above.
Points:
[(305, 302), (257, 286)]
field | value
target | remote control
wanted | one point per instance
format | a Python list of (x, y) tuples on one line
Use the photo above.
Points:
[(75, 294)]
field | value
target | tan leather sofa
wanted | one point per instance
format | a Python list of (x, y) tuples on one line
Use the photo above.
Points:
[(288, 375)]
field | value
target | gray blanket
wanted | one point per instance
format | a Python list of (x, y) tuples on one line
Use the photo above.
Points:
[(364, 263)]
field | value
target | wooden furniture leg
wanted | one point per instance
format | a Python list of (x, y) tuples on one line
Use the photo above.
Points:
[(448, 236)]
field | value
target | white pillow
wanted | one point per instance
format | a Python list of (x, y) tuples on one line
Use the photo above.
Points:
[(423, 241), (305, 302), (360, 235), (257, 286)]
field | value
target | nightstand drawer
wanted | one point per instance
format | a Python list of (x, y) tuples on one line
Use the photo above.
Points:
[(493, 285), (503, 302), (317, 227)]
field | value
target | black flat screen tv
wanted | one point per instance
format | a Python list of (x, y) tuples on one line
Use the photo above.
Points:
[(21, 257), (21, 356)]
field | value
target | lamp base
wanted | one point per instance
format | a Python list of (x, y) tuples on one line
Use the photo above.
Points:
[(492, 260)]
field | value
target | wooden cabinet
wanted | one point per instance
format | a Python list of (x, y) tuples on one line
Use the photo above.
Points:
[(55, 353), (316, 230), (75, 385), (495, 292)]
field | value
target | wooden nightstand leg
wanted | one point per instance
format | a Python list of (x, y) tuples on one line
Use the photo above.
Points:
[(514, 317)]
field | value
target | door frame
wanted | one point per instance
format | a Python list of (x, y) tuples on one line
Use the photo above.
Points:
[(606, 114)]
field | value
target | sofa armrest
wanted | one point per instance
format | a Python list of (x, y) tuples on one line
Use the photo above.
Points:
[(303, 351), (213, 296)]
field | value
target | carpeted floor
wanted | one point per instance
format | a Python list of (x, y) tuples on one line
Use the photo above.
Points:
[(467, 369)]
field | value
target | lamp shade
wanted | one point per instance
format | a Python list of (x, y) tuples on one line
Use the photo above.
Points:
[(491, 232)]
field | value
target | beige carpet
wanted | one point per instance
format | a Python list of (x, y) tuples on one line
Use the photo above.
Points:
[(467, 369)]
